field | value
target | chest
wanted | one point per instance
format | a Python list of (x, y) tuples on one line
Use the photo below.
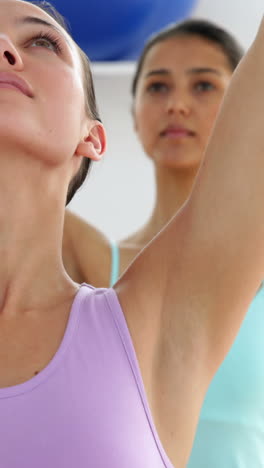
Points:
[(78, 412), (27, 344)]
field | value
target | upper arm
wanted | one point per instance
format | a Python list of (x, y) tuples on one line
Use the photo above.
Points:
[(197, 277), (176, 293), (183, 299), (186, 294)]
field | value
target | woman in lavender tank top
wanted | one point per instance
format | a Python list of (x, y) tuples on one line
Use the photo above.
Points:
[(113, 378)]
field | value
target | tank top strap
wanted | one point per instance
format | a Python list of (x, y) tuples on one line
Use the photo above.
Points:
[(115, 263)]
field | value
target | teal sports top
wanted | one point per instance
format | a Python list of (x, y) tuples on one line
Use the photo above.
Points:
[(230, 432), (114, 263)]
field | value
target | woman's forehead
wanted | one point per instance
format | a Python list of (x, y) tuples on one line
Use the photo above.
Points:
[(185, 50), (18, 9), (21, 7)]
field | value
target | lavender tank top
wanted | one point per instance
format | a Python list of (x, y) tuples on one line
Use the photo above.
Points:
[(87, 408)]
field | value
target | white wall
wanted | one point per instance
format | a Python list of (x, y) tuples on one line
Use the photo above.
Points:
[(241, 17), (119, 194)]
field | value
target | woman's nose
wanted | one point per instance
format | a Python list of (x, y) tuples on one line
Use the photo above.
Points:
[(9, 56), (179, 104)]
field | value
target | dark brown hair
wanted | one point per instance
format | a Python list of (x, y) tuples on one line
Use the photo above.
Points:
[(90, 101), (193, 27)]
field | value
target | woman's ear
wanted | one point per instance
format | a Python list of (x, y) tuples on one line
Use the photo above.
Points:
[(93, 145)]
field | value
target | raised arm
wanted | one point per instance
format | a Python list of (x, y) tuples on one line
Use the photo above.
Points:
[(186, 295)]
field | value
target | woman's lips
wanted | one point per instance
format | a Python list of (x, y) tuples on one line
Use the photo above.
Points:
[(177, 132), (12, 81)]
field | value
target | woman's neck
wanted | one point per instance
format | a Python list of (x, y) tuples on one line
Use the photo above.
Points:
[(172, 190), (31, 225)]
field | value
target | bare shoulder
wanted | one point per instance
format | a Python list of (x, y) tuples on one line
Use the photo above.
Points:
[(86, 251)]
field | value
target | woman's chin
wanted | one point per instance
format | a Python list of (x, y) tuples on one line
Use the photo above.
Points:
[(177, 161)]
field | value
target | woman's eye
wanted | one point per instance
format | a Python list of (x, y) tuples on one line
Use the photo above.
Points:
[(157, 87), (202, 86), (47, 42)]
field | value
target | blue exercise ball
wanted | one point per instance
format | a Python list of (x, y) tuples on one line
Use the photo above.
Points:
[(117, 29)]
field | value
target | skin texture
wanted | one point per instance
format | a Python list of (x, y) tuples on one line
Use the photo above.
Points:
[(185, 295)]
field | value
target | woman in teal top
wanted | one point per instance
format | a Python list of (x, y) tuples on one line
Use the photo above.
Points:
[(179, 83)]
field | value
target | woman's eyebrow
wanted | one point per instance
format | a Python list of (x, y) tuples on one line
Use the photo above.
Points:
[(190, 71), (199, 70), (40, 21), (160, 71)]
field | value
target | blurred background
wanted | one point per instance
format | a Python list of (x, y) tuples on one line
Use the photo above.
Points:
[(119, 193)]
